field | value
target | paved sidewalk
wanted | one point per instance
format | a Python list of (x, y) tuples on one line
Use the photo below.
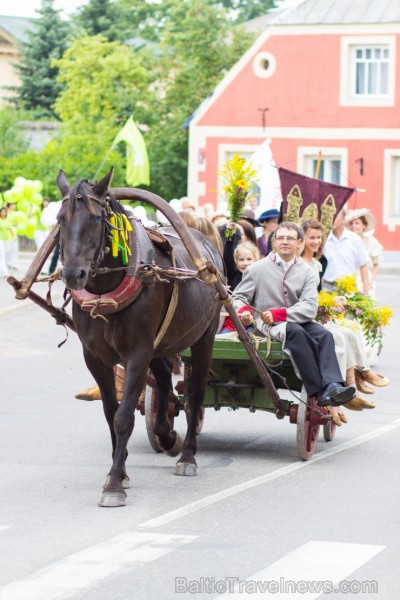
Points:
[(7, 295)]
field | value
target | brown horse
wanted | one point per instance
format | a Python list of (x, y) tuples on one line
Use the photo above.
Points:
[(147, 319)]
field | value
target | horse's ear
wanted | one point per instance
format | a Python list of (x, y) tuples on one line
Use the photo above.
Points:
[(102, 186), (62, 183)]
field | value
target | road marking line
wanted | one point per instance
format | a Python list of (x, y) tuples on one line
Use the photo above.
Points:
[(309, 571), (88, 567), (246, 485)]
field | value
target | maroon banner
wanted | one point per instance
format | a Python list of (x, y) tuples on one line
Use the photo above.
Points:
[(306, 198)]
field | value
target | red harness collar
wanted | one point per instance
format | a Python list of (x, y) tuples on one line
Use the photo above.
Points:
[(111, 302)]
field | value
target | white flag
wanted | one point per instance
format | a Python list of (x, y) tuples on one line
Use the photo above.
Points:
[(269, 182)]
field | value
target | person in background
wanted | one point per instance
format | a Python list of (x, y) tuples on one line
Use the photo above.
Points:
[(252, 202), (188, 217), (187, 204), (48, 219), (346, 254), (248, 231), (5, 237), (269, 221), (12, 257), (210, 231), (360, 221), (41, 230), (208, 210)]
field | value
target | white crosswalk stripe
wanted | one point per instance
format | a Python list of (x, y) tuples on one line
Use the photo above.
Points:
[(314, 569), (87, 568)]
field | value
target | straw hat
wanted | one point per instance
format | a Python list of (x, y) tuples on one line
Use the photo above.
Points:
[(361, 212)]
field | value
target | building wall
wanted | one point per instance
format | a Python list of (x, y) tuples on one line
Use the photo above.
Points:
[(307, 111), (8, 76)]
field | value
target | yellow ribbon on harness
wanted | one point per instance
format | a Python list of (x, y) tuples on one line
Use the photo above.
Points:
[(120, 235)]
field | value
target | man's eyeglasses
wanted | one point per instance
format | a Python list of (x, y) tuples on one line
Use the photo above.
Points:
[(288, 238)]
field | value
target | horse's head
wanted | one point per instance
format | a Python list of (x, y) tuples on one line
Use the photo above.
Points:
[(83, 216)]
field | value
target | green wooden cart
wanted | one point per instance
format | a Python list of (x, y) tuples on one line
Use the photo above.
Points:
[(233, 382)]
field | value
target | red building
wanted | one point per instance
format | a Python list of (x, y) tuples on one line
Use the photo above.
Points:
[(322, 76)]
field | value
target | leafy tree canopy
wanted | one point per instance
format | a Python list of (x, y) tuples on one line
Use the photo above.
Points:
[(196, 52), (103, 81), (12, 138), (105, 17), (46, 41)]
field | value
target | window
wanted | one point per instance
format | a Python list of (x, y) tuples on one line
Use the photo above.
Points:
[(371, 70), (333, 165), (396, 187), (391, 188), (329, 170), (264, 64), (367, 71)]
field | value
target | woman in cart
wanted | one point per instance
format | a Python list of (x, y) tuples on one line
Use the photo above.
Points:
[(349, 342)]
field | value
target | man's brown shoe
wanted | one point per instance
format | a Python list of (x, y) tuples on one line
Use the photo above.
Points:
[(90, 393)]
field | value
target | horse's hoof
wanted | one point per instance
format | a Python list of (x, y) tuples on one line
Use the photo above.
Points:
[(113, 499), (126, 483), (186, 469), (177, 447)]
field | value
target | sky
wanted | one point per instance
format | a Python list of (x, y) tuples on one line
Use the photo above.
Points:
[(27, 8)]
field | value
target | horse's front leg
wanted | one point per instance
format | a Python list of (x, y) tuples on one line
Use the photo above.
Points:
[(124, 419), (170, 441)]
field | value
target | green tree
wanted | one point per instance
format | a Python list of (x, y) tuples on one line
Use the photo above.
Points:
[(102, 81), (197, 48), (244, 10), (47, 40), (12, 139), (105, 17)]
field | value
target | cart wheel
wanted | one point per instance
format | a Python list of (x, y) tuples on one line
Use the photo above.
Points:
[(329, 430), (150, 411), (308, 424), (200, 419)]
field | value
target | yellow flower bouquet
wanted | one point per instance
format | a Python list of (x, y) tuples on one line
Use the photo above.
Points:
[(356, 306), (239, 178)]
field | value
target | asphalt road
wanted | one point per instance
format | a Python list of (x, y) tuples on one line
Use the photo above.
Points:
[(255, 517)]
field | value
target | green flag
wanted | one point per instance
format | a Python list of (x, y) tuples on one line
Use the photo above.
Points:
[(137, 161)]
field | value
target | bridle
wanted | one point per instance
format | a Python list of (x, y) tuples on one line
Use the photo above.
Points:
[(106, 231)]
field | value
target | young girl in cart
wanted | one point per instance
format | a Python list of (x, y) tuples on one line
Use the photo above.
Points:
[(244, 255)]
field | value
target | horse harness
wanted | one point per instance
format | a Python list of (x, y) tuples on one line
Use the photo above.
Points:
[(140, 270)]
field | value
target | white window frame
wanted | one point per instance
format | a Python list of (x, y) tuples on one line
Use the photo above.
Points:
[(391, 188), (347, 70), (306, 154), (264, 65)]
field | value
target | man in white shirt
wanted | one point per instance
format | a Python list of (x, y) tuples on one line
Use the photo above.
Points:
[(346, 254)]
